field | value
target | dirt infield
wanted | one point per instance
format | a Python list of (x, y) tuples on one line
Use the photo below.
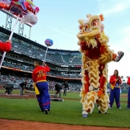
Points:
[(28, 125)]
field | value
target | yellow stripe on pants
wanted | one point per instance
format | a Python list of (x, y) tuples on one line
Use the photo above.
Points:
[(35, 87)]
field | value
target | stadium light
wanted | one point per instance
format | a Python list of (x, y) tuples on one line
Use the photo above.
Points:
[(64, 61), (72, 59)]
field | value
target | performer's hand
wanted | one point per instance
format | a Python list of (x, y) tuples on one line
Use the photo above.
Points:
[(44, 63), (117, 80), (9, 41)]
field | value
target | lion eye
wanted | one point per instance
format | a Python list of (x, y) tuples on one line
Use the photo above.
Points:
[(86, 27), (95, 23), (80, 27)]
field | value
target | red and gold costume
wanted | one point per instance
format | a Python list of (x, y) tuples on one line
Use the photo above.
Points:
[(128, 102), (39, 73), (115, 82), (95, 56), (41, 87)]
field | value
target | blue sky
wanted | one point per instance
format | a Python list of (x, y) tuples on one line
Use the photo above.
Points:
[(58, 20)]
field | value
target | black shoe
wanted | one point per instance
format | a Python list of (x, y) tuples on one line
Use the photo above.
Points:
[(46, 111), (120, 55)]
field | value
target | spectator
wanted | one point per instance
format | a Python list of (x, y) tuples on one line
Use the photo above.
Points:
[(52, 85), (8, 87), (115, 82), (58, 89), (65, 86), (31, 87), (22, 86)]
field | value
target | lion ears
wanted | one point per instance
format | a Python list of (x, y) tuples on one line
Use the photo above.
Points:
[(89, 16), (100, 16), (81, 21)]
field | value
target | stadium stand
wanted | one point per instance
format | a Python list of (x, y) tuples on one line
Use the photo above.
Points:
[(19, 61), (64, 64)]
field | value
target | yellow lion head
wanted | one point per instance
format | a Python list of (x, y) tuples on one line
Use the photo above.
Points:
[(92, 29)]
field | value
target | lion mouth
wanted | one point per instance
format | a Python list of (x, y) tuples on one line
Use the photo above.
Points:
[(89, 33), (88, 30)]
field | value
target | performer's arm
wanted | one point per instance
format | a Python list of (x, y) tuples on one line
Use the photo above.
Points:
[(112, 80), (5, 46), (120, 81), (33, 76), (47, 68)]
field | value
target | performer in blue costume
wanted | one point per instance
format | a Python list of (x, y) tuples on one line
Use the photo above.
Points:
[(115, 81), (128, 103), (41, 86)]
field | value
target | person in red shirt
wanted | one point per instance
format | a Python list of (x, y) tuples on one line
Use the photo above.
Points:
[(128, 103), (5, 46), (39, 78), (115, 81)]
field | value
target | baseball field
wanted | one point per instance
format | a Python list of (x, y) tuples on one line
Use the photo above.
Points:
[(67, 112)]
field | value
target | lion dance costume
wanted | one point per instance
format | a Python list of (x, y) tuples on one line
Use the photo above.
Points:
[(95, 56)]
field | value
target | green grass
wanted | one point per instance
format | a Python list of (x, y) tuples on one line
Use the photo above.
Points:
[(73, 95), (69, 94), (67, 112), (15, 91)]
